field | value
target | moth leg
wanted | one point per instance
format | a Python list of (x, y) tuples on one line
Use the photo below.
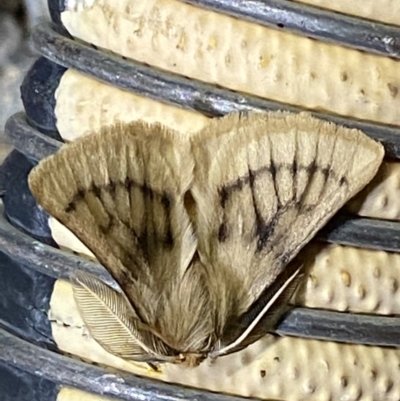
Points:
[(153, 367), (268, 310), (274, 314)]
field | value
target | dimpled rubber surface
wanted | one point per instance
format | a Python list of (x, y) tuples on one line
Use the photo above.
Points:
[(387, 11), (85, 105), (242, 56), (279, 368), (345, 278), (381, 198)]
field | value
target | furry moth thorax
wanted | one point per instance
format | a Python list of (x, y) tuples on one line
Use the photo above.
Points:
[(200, 232)]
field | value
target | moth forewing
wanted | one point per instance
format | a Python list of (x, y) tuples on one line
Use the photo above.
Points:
[(264, 184), (121, 192)]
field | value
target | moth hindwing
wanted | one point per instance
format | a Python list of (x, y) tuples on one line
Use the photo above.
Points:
[(199, 232)]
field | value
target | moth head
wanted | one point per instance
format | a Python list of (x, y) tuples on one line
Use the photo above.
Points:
[(191, 360)]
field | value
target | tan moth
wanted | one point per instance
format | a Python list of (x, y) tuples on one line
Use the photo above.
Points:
[(200, 232)]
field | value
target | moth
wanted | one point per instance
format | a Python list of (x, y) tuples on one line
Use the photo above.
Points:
[(201, 232)]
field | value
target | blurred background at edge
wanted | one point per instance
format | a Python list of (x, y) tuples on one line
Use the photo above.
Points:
[(17, 17)]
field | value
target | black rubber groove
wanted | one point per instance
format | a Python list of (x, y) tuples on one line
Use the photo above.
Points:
[(316, 23), (342, 327), (177, 90), (66, 371), (25, 250), (28, 140), (362, 232)]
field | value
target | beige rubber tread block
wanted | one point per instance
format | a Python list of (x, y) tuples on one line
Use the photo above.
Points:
[(73, 394), (279, 368), (242, 56), (381, 198), (341, 278), (84, 105), (67, 240), (344, 278), (387, 11)]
